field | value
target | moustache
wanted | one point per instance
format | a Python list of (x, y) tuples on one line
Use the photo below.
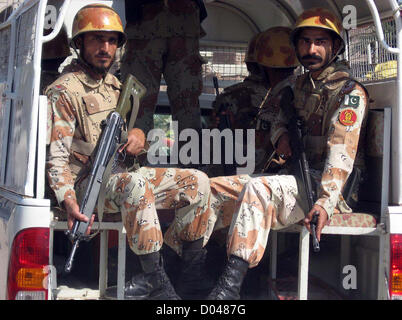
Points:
[(311, 57), (103, 55)]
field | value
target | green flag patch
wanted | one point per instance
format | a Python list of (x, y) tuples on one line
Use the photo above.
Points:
[(352, 101)]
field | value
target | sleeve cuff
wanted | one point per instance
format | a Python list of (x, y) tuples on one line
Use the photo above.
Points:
[(65, 193), (327, 205)]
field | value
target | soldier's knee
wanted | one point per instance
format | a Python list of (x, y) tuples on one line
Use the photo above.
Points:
[(137, 186)]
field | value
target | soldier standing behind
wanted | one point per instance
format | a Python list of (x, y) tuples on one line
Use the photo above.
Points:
[(333, 107), (163, 39), (78, 101)]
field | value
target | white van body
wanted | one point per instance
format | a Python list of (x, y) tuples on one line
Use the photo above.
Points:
[(229, 26)]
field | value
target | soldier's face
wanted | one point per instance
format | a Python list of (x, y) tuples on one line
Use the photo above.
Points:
[(315, 48), (99, 49)]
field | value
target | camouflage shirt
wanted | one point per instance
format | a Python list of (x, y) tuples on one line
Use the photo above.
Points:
[(77, 103), (243, 101), (334, 109)]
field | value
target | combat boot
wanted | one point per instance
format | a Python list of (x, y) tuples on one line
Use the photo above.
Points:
[(194, 282), (151, 284), (158, 282), (229, 284)]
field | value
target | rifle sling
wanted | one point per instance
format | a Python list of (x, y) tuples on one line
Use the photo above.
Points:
[(134, 112)]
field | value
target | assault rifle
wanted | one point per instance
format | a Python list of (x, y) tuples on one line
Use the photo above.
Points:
[(300, 166), (113, 135)]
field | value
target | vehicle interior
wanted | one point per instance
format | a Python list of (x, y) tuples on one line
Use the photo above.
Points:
[(229, 27), (288, 270)]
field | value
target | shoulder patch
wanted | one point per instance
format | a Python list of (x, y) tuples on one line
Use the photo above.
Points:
[(348, 117), (351, 101)]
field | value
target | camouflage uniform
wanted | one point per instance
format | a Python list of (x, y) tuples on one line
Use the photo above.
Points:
[(166, 41), (78, 104), (334, 109), (253, 104), (242, 102), (226, 190)]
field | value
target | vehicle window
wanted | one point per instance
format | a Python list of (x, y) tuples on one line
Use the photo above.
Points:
[(368, 59), (226, 63)]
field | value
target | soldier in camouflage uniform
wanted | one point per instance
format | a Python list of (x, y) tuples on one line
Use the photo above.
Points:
[(163, 39), (270, 60), (272, 53), (334, 108), (78, 101)]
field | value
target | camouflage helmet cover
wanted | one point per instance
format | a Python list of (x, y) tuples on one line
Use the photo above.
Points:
[(319, 18), (250, 54), (273, 49), (97, 17)]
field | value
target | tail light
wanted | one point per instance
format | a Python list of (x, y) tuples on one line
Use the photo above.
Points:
[(28, 268), (395, 274)]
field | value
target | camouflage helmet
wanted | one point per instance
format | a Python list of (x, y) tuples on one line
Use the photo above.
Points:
[(273, 49), (250, 54), (97, 17), (319, 18)]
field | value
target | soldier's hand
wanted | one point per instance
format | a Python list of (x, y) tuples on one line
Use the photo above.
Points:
[(73, 213), (283, 147), (322, 219), (135, 142)]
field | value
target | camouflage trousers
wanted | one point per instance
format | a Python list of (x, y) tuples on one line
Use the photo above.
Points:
[(223, 196), (265, 202), (179, 61), (137, 195)]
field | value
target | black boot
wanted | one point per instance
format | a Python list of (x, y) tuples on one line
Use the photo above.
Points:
[(229, 284), (152, 284), (194, 282), (156, 278)]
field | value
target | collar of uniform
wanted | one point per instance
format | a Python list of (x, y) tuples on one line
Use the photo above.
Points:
[(83, 73), (337, 66), (112, 80)]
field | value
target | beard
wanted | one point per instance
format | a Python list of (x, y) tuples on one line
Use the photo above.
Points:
[(100, 68)]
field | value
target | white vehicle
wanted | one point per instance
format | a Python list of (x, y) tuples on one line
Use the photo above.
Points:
[(361, 255)]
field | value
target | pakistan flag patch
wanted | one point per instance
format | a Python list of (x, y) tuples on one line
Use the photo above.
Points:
[(351, 101)]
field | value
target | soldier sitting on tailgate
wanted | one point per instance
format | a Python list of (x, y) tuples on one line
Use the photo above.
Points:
[(333, 107), (79, 100)]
